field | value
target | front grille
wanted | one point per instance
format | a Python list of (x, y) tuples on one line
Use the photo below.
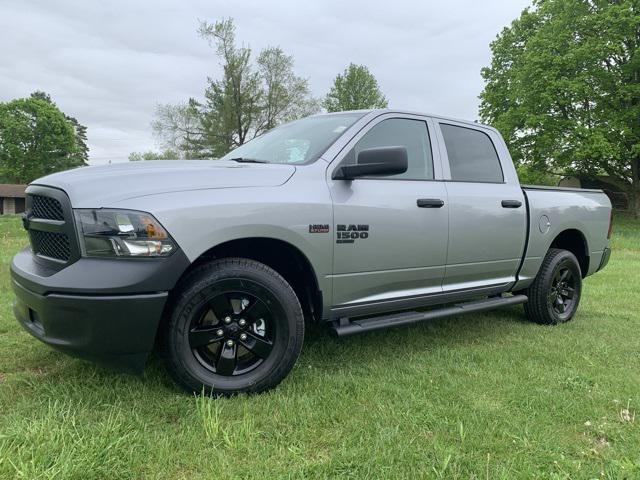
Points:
[(46, 207), (52, 245), (49, 221)]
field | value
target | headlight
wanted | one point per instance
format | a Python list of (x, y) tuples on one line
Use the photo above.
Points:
[(122, 233)]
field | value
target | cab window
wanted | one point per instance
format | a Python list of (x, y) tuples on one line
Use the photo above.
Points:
[(400, 132), (472, 156)]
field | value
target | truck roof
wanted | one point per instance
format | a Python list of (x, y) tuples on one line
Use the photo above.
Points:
[(380, 111)]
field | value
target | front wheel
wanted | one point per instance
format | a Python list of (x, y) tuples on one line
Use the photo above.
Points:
[(555, 293), (236, 326)]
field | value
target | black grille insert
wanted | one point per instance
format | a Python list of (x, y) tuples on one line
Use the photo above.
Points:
[(46, 207), (52, 245), (49, 221)]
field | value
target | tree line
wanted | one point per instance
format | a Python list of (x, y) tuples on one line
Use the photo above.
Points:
[(253, 96), (563, 88)]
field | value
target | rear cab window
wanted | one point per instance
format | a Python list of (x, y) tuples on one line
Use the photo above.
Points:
[(472, 155)]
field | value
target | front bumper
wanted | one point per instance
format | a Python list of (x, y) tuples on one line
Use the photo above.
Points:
[(103, 310), (114, 330)]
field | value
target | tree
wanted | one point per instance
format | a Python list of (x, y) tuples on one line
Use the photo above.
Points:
[(36, 139), (355, 89), (151, 155), (248, 100), (82, 153), (286, 96), (178, 128), (563, 87), (232, 103)]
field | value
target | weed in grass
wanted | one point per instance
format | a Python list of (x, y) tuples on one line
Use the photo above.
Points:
[(627, 414), (231, 435), (210, 415)]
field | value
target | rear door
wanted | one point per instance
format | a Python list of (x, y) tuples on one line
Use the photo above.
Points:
[(386, 246), (487, 213)]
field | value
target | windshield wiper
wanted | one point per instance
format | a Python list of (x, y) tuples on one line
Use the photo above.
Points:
[(247, 160)]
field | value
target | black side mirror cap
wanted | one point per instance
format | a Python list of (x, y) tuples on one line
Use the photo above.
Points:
[(380, 161)]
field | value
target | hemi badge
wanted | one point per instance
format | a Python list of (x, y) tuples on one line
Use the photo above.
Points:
[(319, 228)]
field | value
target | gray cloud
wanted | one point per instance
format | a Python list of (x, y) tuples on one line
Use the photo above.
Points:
[(109, 63)]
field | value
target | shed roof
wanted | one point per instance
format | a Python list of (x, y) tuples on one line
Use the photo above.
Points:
[(12, 190)]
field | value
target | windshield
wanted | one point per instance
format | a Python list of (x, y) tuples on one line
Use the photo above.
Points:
[(298, 142)]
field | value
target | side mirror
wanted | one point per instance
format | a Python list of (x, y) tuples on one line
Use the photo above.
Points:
[(381, 161)]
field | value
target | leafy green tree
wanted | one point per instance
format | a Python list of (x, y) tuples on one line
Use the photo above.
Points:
[(36, 139), (167, 154), (531, 176), (249, 99), (355, 89), (563, 87), (82, 150)]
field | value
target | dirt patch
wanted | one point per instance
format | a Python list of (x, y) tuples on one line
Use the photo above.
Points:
[(37, 371), (600, 443)]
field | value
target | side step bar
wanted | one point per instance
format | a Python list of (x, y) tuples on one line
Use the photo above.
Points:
[(345, 326)]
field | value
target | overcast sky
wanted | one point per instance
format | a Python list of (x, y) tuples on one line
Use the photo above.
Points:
[(108, 63)]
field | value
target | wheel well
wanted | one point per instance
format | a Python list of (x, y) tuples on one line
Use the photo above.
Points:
[(284, 258), (574, 241)]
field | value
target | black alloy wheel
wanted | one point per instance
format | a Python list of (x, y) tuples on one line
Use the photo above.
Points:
[(234, 330), (562, 292)]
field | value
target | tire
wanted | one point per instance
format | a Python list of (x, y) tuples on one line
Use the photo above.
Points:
[(234, 326), (555, 293)]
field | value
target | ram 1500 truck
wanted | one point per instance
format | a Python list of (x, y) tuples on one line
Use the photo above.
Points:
[(362, 219)]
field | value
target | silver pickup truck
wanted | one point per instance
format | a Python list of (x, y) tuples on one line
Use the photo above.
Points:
[(363, 220)]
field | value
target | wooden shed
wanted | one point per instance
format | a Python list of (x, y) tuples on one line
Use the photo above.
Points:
[(11, 198)]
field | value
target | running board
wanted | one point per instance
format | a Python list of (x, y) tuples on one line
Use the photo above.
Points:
[(345, 326)]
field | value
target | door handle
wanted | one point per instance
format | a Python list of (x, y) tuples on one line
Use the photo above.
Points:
[(511, 203), (430, 203)]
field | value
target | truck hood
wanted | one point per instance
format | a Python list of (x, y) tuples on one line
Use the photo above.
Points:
[(94, 187)]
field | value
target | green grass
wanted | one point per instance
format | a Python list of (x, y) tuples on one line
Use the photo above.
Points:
[(486, 396)]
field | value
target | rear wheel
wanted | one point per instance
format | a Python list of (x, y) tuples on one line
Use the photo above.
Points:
[(236, 326), (555, 293)]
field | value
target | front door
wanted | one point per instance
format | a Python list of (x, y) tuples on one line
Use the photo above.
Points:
[(390, 238)]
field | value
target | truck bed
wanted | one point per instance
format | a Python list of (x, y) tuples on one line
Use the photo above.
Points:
[(552, 210)]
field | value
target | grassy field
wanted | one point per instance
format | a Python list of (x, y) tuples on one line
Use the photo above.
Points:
[(485, 396)]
